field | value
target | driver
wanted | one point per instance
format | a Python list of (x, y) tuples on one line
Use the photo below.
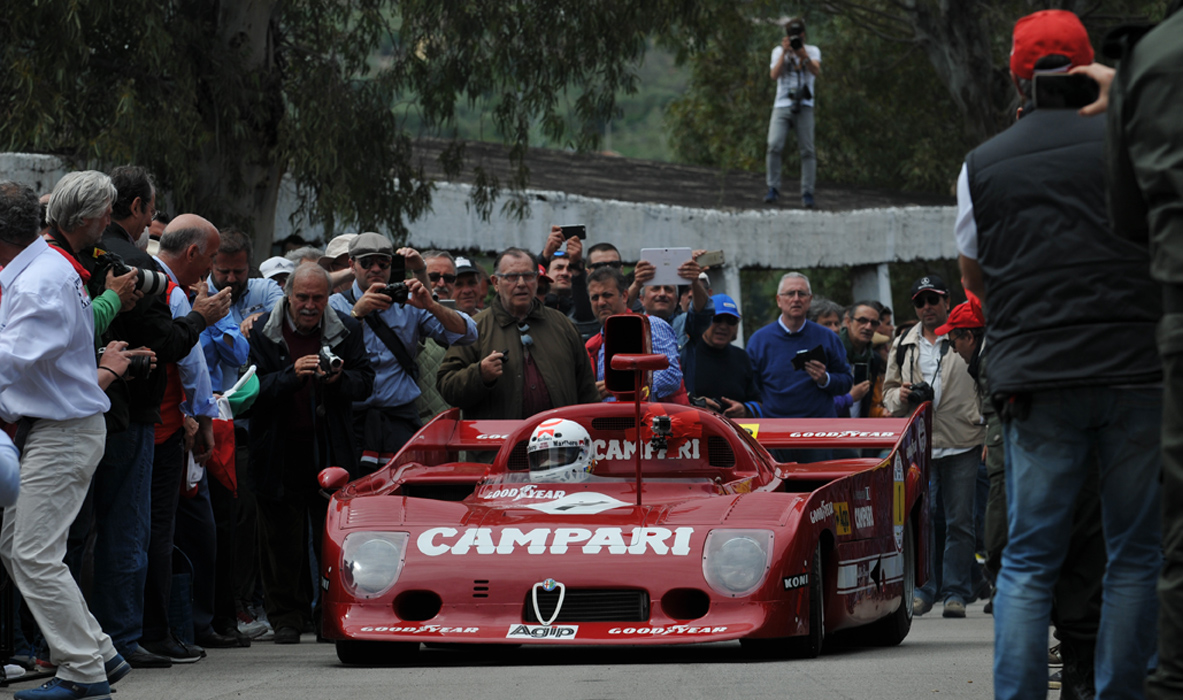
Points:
[(560, 452)]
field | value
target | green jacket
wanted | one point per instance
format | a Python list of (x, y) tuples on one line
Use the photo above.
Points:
[(558, 351)]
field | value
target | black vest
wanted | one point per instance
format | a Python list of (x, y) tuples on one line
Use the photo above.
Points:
[(1068, 303)]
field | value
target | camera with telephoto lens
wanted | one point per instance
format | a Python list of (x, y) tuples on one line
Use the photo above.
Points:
[(397, 291), (147, 281), (921, 392), (795, 43), (330, 363)]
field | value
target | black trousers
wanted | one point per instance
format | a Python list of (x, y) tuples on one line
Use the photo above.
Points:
[(283, 539), (168, 466)]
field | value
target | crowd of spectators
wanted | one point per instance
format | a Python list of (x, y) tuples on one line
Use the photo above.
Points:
[(169, 399)]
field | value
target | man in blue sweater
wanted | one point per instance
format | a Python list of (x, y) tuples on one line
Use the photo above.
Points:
[(788, 392)]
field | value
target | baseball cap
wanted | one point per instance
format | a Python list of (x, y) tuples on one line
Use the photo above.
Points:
[(277, 265), (337, 247), (963, 316), (931, 283), (725, 305), (1046, 33), (542, 276), (795, 26), (464, 266), (370, 243)]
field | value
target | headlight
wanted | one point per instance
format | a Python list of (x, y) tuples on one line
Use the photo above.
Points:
[(735, 562), (372, 561)]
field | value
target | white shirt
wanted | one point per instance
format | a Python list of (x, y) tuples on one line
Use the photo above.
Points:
[(966, 228), (792, 75), (47, 357)]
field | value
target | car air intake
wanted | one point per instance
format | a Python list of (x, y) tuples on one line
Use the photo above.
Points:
[(719, 452), (519, 459), (595, 605)]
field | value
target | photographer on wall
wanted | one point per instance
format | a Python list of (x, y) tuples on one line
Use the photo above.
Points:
[(795, 67), (922, 366)]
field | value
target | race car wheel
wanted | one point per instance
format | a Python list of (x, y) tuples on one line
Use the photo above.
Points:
[(357, 653), (810, 646), (892, 629)]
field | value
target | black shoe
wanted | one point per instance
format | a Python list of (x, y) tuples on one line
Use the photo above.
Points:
[(1078, 681), (213, 640), (175, 650), (287, 635), (142, 658), (771, 196)]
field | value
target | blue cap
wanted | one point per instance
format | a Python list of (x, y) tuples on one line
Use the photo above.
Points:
[(725, 305)]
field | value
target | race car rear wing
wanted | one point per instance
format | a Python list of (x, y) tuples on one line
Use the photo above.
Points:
[(825, 433)]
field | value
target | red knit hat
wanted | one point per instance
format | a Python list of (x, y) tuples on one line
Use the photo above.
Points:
[(1044, 34)]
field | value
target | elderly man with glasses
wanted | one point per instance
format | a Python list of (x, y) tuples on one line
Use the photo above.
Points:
[(383, 422), (529, 357), (922, 366)]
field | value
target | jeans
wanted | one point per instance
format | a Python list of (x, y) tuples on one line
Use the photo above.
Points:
[(122, 512), (1047, 462), (779, 125), (956, 479)]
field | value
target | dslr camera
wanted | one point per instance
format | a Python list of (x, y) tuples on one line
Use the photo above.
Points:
[(329, 363), (921, 392), (139, 367), (147, 281)]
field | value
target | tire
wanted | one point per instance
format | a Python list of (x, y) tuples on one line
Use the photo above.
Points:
[(357, 653), (809, 646), (892, 629)]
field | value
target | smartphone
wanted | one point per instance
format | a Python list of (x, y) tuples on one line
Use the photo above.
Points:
[(711, 258), (398, 268), (574, 231), (861, 372), (1063, 91), (448, 303)]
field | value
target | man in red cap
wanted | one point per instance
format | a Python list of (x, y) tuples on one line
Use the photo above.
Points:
[(1074, 371)]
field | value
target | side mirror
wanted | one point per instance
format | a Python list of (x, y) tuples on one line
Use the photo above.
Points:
[(332, 479)]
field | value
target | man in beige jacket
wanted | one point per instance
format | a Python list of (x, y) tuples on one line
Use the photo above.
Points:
[(922, 367)]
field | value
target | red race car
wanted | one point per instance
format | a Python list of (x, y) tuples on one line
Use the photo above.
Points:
[(585, 530)]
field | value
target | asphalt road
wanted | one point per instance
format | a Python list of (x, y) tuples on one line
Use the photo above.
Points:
[(941, 659)]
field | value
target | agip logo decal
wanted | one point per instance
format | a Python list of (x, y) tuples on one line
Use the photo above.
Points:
[(842, 518)]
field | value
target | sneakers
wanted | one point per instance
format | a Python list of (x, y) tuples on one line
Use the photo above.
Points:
[(1054, 681), (806, 200), (58, 689), (771, 196), (954, 608), (116, 668), (252, 628), (920, 606), (175, 650)]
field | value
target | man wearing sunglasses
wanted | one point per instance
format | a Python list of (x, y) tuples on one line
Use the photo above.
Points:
[(717, 371), (385, 421), (922, 362), (529, 357), (441, 272)]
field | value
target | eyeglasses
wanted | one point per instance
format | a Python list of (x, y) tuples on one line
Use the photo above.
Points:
[(794, 293), (515, 277), (616, 264), (873, 323), (527, 341), (928, 299), (725, 319), (436, 276), (369, 261)]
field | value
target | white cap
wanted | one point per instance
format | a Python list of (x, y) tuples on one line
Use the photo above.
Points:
[(277, 266)]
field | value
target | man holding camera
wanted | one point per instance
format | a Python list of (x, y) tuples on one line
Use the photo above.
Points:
[(395, 316), (922, 367), (312, 367), (795, 67)]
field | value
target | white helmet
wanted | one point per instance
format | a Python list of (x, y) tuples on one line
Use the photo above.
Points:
[(560, 451)]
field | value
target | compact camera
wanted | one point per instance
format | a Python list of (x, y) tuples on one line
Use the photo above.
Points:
[(147, 281), (330, 363), (397, 291), (921, 392)]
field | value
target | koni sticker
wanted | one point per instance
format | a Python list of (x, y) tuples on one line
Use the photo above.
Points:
[(792, 583), (562, 540)]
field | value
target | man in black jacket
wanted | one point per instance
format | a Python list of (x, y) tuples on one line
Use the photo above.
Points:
[(301, 423), (119, 503), (1070, 318)]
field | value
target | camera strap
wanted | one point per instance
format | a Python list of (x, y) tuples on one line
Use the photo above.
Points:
[(389, 339)]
